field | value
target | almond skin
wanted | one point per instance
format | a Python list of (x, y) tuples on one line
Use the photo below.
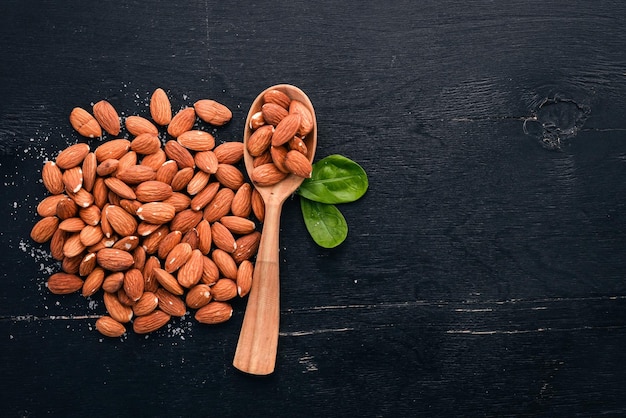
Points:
[(178, 153), (298, 164), (146, 144), (72, 156), (156, 212), (182, 122), (84, 123), (242, 201), (170, 304), (229, 176), (168, 281), (151, 322), (212, 112), (109, 327), (114, 260), (73, 179), (196, 140), (136, 174), (90, 164), (138, 125), (244, 277), (121, 221), (225, 263), (43, 230), (214, 313), (286, 129), (160, 107), (191, 272), (118, 311), (198, 296), (177, 257), (206, 161), (114, 148), (267, 175), (204, 196), (219, 206), (260, 140), (147, 303), (93, 282), (306, 118), (52, 178), (133, 284), (247, 246), (64, 283), (223, 238), (107, 117), (238, 225), (277, 97), (229, 152), (273, 113), (153, 191)]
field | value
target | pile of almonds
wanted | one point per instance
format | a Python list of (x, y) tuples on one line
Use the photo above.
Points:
[(158, 223)]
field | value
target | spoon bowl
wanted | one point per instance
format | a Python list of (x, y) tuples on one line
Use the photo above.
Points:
[(258, 339)]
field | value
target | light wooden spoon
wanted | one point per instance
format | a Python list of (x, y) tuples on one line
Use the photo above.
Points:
[(258, 340)]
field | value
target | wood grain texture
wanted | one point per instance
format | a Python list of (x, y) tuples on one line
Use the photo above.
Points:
[(483, 274)]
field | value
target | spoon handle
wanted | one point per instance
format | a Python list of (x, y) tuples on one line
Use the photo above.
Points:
[(258, 339)]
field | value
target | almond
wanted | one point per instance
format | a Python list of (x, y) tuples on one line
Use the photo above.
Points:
[(127, 160), (139, 257), (153, 191), (43, 230), (178, 153), (219, 206), (136, 174), (198, 182), (115, 308), (229, 152), (160, 107), (185, 220), (84, 123), (210, 271), (264, 158), (182, 178), (307, 120), (154, 160), (113, 282), (66, 208), (260, 140), (70, 265), (130, 206), (229, 175), (48, 206), (56, 244), (133, 284), (151, 284), (298, 164), (191, 238), (196, 140), (256, 120), (146, 143), (168, 243), (121, 221), (114, 260), (277, 97), (180, 201), (238, 225), (91, 235), (73, 247), (107, 167), (214, 313), (204, 236), (64, 283), (182, 122), (273, 113), (223, 238), (212, 112), (279, 154), (168, 281), (247, 246), (90, 164), (138, 125), (177, 257), (93, 282), (151, 322), (87, 265), (156, 212), (152, 241), (166, 172), (128, 243), (72, 156), (225, 263), (241, 204), (90, 215), (109, 327), (297, 144), (198, 296), (107, 117), (82, 198), (206, 161), (72, 224), (73, 179), (147, 303), (244, 277), (190, 273), (114, 148), (170, 304), (120, 188), (223, 290), (204, 196), (286, 129), (267, 175)]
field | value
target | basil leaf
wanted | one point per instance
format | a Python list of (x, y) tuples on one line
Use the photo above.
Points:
[(335, 179), (325, 223)]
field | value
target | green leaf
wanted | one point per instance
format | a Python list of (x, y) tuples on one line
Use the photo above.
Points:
[(335, 179), (325, 223)]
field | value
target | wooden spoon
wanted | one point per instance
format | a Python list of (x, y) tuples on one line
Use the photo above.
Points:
[(258, 340)]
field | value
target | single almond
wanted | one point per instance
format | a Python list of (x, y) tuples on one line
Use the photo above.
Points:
[(219, 206), (56, 244), (247, 246), (241, 204), (212, 112), (113, 282), (229, 176), (109, 327), (198, 182), (153, 191), (64, 283), (205, 239), (84, 123), (273, 113), (151, 284), (114, 148), (177, 257), (133, 284), (204, 196), (210, 271), (170, 304), (180, 201), (168, 243), (206, 161), (70, 265), (107, 167), (160, 107), (154, 160), (82, 198), (222, 237), (279, 154), (156, 212), (185, 220), (90, 164), (43, 230), (298, 164), (150, 322), (190, 273), (136, 174), (191, 238), (66, 208), (260, 140), (238, 225), (182, 178), (168, 281), (121, 221), (48, 206), (138, 125), (264, 158), (198, 296), (73, 247), (182, 122), (130, 206), (306, 118), (91, 235), (196, 140), (90, 215), (277, 97), (214, 313), (147, 303), (178, 153), (229, 152), (127, 160), (297, 144), (286, 129), (225, 263), (152, 240), (73, 179), (93, 282), (145, 144), (257, 120), (244, 277), (74, 224), (87, 265), (52, 178), (128, 243), (118, 311), (107, 117), (166, 172), (114, 260), (139, 257), (267, 175), (72, 156)]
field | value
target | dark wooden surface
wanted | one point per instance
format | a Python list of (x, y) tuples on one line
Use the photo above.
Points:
[(483, 274)]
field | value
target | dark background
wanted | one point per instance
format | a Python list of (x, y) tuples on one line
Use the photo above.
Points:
[(483, 274)]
